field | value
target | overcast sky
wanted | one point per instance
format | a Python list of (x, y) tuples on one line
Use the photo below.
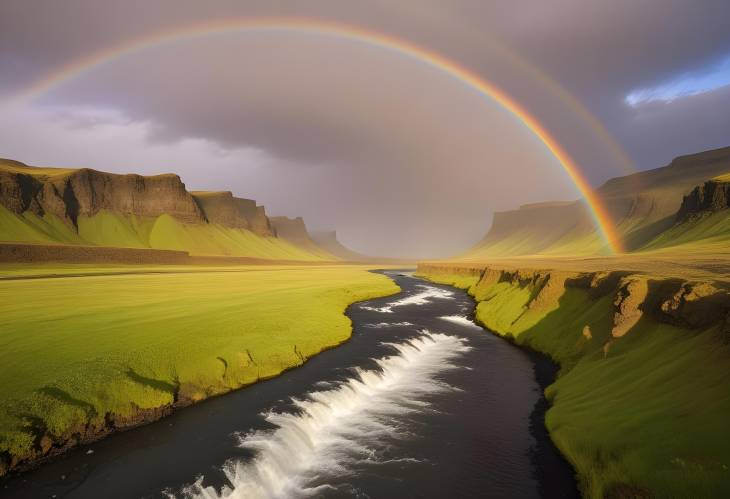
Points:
[(400, 158)]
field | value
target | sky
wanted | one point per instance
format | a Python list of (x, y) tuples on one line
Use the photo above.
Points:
[(398, 157)]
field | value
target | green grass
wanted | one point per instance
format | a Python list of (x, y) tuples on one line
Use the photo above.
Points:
[(649, 418), (164, 232), (73, 349), (707, 234)]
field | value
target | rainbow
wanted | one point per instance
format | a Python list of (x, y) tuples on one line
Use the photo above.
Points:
[(485, 88)]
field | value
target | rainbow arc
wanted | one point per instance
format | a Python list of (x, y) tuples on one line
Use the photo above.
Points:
[(438, 62)]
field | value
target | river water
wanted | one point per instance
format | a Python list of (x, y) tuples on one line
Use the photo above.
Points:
[(421, 402)]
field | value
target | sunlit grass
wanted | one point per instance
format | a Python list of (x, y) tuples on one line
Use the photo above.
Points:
[(73, 349)]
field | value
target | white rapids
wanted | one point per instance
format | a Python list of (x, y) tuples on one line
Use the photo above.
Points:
[(460, 319), (339, 427), (381, 325), (428, 294)]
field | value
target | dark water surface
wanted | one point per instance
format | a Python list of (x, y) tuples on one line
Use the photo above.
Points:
[(414, 405)]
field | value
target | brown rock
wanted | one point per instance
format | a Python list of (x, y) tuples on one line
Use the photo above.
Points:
[(627, 305), (712, 196), (696, 305), (69, 194), (45, 444)]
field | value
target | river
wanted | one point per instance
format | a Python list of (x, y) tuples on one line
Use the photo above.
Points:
[(420, 402)]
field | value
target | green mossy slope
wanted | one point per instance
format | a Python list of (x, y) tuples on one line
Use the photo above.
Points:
[(641, 403), (164, 232)]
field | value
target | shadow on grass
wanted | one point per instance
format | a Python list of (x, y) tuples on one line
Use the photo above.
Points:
[(157, 384), (64, 397), (641, 237)]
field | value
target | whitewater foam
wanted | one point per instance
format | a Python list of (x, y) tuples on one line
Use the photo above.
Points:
[(333, 430), (461, 320), (381, 325), (424, 297)]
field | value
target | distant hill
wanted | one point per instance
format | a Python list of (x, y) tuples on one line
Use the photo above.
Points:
[(329, 242), (93, 208), (645, 205)]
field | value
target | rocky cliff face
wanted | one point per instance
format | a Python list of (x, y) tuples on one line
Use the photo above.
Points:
[(295, 231), (710, 197), (85, 192), (291, 229), (225, 209), (70, 193)]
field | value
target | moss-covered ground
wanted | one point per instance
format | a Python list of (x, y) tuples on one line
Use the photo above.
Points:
[(93, 341)]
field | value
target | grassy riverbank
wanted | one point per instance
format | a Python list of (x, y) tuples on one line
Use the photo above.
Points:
[(91, 349), (641, 402)]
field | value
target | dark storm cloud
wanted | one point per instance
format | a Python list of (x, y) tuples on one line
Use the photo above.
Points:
[(360, 139)]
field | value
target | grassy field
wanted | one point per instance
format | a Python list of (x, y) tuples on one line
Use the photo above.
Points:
[(645, 418), (164, 232), (75, 349)]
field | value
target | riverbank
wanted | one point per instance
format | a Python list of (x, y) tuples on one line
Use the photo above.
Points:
[(81, 358), (639, 407)]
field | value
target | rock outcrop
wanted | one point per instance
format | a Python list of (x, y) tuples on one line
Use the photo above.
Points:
[(295, 231), (628, 303), (710, 197), (224, 209)]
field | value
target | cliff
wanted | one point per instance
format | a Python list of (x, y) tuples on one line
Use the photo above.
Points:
[(225, 209), (711, 197), (295, 231), (69, 194)]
